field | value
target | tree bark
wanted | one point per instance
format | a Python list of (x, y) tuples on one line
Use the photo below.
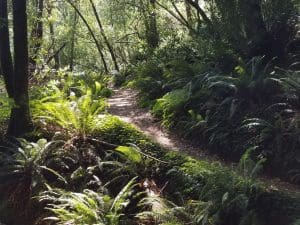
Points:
[(5, 54), (188, 11), (151, 31), (73, 41), (196, 5), (20, 120), (36, 35), (106, 41), (52, 35), (260, 41)]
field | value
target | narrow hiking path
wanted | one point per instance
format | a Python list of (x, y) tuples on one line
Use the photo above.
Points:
[(123, 104)]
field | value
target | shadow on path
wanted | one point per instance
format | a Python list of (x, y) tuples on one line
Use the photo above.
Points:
[(124, 105)]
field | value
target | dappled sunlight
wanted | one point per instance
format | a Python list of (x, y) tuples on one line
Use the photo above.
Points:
[(150, 112), (123, 104)]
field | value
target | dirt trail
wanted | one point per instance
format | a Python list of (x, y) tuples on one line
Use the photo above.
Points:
[(124, 105)]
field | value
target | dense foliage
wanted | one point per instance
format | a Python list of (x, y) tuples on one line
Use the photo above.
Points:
[(223, 74)]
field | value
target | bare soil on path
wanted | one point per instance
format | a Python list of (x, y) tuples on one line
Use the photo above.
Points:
[(123, 104)]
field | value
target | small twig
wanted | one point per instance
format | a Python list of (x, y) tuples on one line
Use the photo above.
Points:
[(136, 148), (163, 188), (104, 143)]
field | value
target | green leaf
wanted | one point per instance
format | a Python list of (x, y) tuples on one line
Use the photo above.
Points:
[(55, 173), (42, 142), (130, 152)]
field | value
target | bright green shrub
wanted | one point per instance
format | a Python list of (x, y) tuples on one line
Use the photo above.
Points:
[(89, 207), (114, 130), (170, 105), (77, 116)]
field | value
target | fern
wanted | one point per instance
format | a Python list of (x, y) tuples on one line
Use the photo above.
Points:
[(87, 208), (23, 169), (77, 116), (249, 168)]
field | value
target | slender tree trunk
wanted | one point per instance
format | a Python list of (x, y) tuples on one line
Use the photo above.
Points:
[(20, 121), (195, 4), (5, 54), (52, 34), (106, 41), (73, 41), (56, 56), (152, 32), (188, 11), (37, 35), (92, 34)]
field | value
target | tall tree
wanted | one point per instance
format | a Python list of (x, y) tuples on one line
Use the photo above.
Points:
[(16, 75), (5, 54), (200, 11), (106, 41), (20, 120), (73, 37), (36, 34), (261, 41), (55, 54), (97, 43), (188, 11), (152, 34)]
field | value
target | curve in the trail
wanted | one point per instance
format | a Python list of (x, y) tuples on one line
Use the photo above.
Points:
[(123, 104)]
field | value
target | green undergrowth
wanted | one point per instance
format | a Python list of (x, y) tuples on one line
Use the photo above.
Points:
[(236, 196), (88, 167), (99, 181), (114, 130), (251, 104)]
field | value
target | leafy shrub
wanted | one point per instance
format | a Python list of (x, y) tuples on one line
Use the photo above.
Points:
[(209, 106), (170, 105), (149, 79), (118, 79), (114, 130), (88, 207), (77, 116), (24, 170)]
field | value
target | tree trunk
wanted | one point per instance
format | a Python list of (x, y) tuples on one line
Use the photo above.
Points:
[(52, 34), (36, 35), (73, 41), (20, 121), (188, 11), (151, 31), (5, 54), (202, 13), (92, 34), (106, 41), (260, 41)]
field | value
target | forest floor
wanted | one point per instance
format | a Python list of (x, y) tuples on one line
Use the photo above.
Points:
[(123, 104)]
